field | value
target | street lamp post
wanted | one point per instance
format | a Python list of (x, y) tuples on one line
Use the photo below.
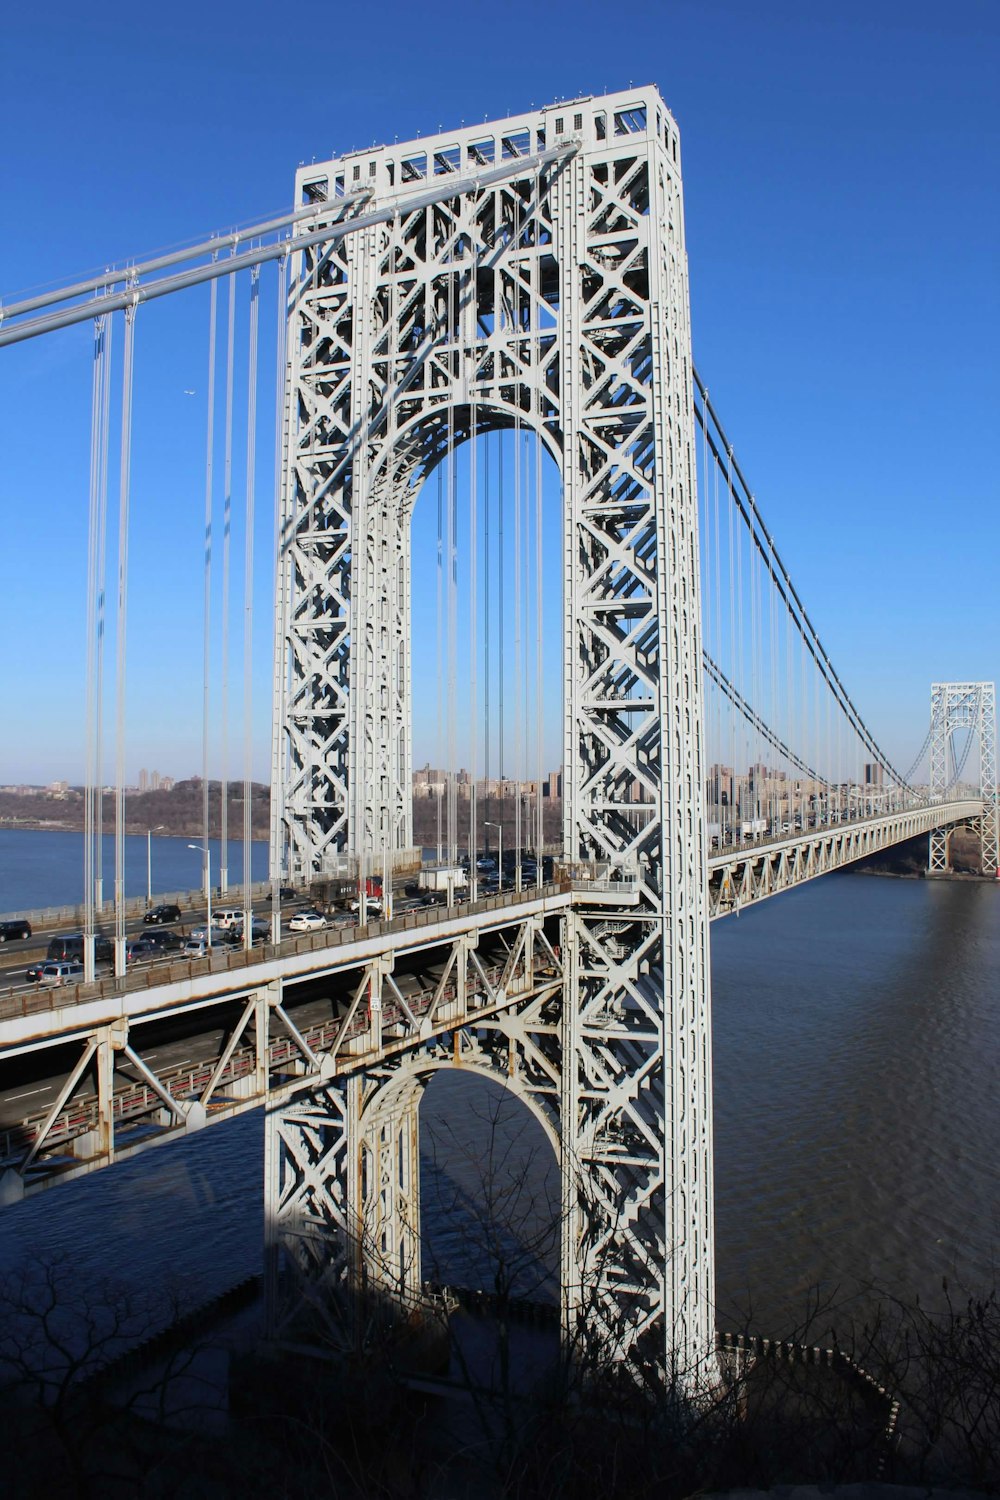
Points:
[(207, 854)]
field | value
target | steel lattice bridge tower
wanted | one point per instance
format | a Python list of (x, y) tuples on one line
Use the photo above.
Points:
[(969, 707), (401, 343)]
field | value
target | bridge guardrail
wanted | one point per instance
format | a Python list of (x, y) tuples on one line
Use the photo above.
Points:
[(17, 1003)]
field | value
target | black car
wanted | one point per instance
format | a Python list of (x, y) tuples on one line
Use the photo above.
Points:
[(33, 972), (164, 941), (159, 916), (14, 928)]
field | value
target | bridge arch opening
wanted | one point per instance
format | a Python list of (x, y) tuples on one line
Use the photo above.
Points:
[(482, 512), (490, 1189), (460, 1183)]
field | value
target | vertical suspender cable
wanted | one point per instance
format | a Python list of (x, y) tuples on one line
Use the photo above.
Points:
[(731, 594), (442, 753), (102, 530), (93, 580), (707, 641), (487, 663), (121, 624), (452, 590), (539, 635), (207, 603), (501, 617), (227, 521), (719, 645), (535, 408), (473, 606), (275, 851), (518, 637), (248, 608), (531, 762)]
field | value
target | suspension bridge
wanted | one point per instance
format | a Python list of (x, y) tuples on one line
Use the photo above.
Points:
[(495, 318)]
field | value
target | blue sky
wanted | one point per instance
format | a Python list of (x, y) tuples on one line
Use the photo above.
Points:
[(840, 168)]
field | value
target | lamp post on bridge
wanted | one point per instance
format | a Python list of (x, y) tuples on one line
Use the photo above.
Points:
[(207, 867)]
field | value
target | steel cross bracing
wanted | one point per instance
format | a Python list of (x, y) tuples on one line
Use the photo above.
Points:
[(403, 340), (969, 707)]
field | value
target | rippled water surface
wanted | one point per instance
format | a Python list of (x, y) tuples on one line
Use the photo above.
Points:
[(857, 1042), (39, 869), (857, 1038)]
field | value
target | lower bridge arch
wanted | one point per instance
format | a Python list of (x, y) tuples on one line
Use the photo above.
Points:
[(343, 1189)]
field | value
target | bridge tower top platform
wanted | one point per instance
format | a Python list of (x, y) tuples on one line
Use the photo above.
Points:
[(408, 168)]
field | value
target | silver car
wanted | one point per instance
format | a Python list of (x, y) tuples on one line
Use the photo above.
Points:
[(61, 971)]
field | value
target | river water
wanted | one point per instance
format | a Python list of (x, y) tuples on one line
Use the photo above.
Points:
[(856, 1039), (39, 869)]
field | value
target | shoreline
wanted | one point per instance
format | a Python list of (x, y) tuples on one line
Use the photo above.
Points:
[(132, 830)]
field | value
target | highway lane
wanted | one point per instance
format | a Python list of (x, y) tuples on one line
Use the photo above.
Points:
[(17, 954), (191, 1044)]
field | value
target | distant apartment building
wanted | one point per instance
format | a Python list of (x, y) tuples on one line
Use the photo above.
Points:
[(431, 782)]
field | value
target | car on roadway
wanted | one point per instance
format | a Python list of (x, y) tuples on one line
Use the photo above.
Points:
[(70, 948), (62, 971), (220, 935), (373, 905), (260, 931), (14, 928), (307, 921), (161, 916), (164, 940), (227, 916), (33, 972), (139, 948)]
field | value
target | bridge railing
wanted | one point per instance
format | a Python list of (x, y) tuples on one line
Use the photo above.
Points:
[(18, 1002)]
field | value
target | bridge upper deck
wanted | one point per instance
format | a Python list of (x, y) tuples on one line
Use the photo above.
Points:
[(738, 877)]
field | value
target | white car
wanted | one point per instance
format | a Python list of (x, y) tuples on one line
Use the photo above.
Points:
[(373, 905), (306, 921)]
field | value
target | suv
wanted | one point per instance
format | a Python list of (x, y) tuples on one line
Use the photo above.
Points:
[(140, 947), (70, 949), (16, 928), (161, 915)]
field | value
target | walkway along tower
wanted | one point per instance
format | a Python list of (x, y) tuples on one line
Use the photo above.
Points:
[(529, 271)]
